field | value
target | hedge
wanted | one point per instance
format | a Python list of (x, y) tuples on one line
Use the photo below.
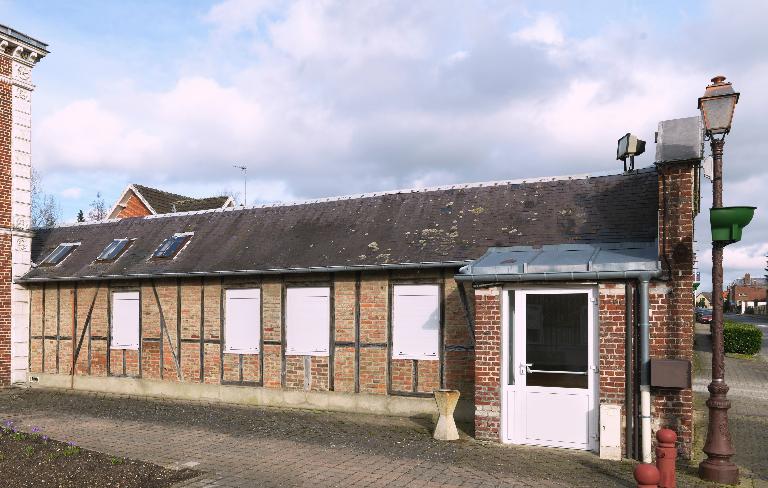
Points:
[(741, 338)]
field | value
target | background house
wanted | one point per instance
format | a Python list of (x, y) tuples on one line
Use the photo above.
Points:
[(139, 201), (704, 299), (748, 294)]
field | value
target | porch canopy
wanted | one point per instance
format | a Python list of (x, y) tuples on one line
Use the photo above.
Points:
[(565, 262)]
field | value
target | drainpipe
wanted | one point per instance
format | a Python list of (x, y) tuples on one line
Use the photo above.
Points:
[(645, 384), (629, 377)]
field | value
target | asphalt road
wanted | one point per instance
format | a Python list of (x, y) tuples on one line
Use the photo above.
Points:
[(759, 320)]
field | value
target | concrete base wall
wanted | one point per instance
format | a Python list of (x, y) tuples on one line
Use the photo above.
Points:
[(244, 395)]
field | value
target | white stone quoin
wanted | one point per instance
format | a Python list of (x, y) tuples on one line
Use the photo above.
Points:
[(24, 53)]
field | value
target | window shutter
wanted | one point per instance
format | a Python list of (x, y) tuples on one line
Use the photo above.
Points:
[(242, 320), (125, 320), (308, 321), (416, 322)]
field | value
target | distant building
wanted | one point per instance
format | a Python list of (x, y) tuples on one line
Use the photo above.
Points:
[(747, 293), (704, 299), (140, 201)]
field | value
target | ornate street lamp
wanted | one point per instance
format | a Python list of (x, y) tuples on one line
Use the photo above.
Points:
[(717, 107)]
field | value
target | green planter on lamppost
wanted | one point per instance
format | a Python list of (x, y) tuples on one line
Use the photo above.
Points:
[(728, 222)]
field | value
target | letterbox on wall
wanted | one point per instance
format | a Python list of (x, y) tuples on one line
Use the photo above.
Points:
[(671, 373)]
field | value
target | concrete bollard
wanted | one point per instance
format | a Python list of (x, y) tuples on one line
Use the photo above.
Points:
[(666, 456), (647, 476), (446, 425)]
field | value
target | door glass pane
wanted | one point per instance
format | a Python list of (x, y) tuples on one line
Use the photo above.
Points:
[(556, 340)]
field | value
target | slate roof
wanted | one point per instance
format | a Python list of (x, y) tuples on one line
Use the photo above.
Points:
[(164, 202), (449, 225)]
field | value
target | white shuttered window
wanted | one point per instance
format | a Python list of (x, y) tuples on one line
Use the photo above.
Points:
[(242, 320), (308, 321), (416, 322), (125, 320)]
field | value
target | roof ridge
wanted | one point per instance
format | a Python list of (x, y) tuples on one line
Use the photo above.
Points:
[(140, 186), (195, 199), (356, 196)]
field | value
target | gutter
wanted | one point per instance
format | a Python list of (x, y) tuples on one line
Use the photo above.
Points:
[(248, 272), (559, 276)]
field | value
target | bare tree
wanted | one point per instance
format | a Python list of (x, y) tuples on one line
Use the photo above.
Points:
[(98, 209), (46, 211)]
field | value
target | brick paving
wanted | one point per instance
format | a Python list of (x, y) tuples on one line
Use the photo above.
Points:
[(748, 382), (251, 446)]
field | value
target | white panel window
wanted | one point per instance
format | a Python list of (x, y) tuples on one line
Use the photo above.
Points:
[(242, 320), (125, 320), (415, 322), (308, 321)]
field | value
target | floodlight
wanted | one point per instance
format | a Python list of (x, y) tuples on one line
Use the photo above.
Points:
[(629, 146)]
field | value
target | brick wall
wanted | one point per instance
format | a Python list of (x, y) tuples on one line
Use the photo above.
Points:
[(672, 313), (487, 363), (5, 309), (134, 207), (611, 337), (182, 317), (6, 182)]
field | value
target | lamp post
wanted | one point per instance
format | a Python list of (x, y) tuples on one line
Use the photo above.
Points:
[(717, 106)]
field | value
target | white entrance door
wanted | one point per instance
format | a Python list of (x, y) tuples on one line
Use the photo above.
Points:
[(550, 380)]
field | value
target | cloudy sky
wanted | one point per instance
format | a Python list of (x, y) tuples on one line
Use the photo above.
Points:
[(322, 98)]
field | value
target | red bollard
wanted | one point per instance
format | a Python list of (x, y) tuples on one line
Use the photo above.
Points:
[(666, 456), (647, 476)]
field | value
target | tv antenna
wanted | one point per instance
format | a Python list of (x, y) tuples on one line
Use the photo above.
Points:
[(244, 169)]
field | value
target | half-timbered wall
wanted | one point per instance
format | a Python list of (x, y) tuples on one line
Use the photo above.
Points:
[(181, 334)]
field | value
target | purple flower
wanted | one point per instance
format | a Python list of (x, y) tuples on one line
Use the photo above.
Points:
[(71, 444), (44, 438), (8, 423), (35, 430)]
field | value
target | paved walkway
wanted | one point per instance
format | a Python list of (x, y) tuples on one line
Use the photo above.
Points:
[(239, 446), (748, 382)]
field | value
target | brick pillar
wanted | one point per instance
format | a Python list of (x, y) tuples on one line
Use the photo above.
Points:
[(18, 54), (5, 220), (672, 306), (487, 363)]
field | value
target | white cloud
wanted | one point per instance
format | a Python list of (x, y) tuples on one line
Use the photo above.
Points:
[(545, 30), (231, 16), (322, 98), (83, 134)]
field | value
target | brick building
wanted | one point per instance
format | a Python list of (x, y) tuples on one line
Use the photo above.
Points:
[(529, 297), (748, 293), (139, 201)]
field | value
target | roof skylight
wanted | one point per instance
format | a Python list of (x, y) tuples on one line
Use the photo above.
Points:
[(62, 251), (171, 246), (114, 250)]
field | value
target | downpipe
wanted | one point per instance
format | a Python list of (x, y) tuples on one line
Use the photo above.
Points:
[(645, 384)]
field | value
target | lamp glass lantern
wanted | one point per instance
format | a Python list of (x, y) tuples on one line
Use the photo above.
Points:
[(717, 106)]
